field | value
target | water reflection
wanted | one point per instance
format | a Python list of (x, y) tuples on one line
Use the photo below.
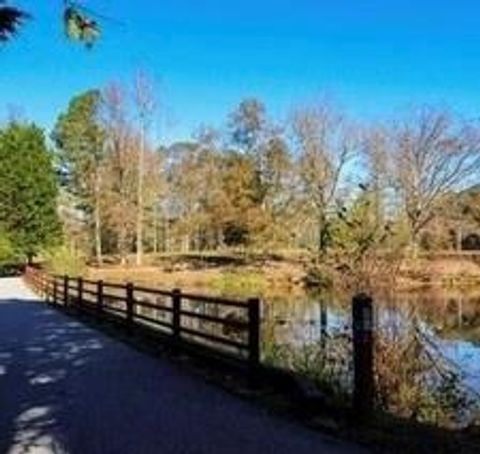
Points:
[(451, 316), (437, 329)]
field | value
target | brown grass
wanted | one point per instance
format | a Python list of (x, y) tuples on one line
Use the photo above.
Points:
[(273, 276)]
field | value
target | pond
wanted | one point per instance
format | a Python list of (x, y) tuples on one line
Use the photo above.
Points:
[(429, 336)]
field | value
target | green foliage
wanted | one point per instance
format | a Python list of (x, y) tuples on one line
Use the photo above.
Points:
[(79, 139), (7, 251), (63, 260), (356, 229), (28, 190), (240, 283), (79, 26), (10, 262), (363, 253)]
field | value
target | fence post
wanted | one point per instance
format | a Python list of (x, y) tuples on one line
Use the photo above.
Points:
[(80, 291), (176, 305), (65, 290), (253, 337), (99, 298), (323, 325), (55, 290), (48, 288), (364, 384), (45, 286), (130, 303)]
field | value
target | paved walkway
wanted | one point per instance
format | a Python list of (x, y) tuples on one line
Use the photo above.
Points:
[(65, 388)]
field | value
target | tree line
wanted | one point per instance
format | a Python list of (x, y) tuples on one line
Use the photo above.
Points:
[(316, 181)]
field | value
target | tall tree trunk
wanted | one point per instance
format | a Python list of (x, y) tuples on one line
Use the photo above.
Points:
[(122, 245), (458, 238), (155, 229), (322, 234), (123, 229), (140, 202), (415, 246), (166, 234), (98, 223)]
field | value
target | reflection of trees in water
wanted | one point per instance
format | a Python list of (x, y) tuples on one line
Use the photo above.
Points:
[(312, 339), (452, 313), (414, 378), (304, 320)]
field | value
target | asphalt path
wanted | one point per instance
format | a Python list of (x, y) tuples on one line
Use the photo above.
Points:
[(67, 388)]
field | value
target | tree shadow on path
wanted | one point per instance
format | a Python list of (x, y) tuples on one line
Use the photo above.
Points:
[(39, 355), (67, 388)]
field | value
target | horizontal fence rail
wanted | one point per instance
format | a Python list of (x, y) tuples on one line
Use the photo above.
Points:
[(226, 327), (220, 326)]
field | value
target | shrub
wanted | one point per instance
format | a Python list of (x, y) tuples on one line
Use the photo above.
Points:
[(10, 262), (63, 260)]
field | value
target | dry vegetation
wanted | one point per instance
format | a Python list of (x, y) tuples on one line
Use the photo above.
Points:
[(270, 277)]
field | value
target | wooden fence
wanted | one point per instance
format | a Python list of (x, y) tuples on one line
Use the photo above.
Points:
[(226, 327)]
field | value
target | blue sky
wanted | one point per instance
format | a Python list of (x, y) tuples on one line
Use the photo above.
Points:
[(374, 57)]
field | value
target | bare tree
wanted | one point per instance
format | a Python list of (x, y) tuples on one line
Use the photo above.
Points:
[(433, 153), (121, 148), (326, 143), (145, 105), (375, 150)]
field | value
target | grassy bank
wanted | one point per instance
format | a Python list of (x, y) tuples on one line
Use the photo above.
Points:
[(233, 277), (242, 275)]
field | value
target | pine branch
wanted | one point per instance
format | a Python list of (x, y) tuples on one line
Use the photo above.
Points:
[(11, 19)]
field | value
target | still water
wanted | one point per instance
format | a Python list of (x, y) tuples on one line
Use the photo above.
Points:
[(449, 318)]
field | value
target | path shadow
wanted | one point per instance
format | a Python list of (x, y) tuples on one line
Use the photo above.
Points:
[(39, 355)]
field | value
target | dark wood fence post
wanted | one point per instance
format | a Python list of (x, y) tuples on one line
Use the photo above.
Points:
[(323, 325), (55, 290), (99, 299), (364, 383), (253, 337), (130, 304), (65, 290), (44, 284), (49, 287), (80, 291), (177, 307)]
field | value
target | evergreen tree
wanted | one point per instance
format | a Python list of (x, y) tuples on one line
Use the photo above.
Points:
[(80, 138), (28, 190)]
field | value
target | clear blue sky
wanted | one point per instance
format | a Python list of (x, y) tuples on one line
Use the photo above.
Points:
[(373, 56)]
